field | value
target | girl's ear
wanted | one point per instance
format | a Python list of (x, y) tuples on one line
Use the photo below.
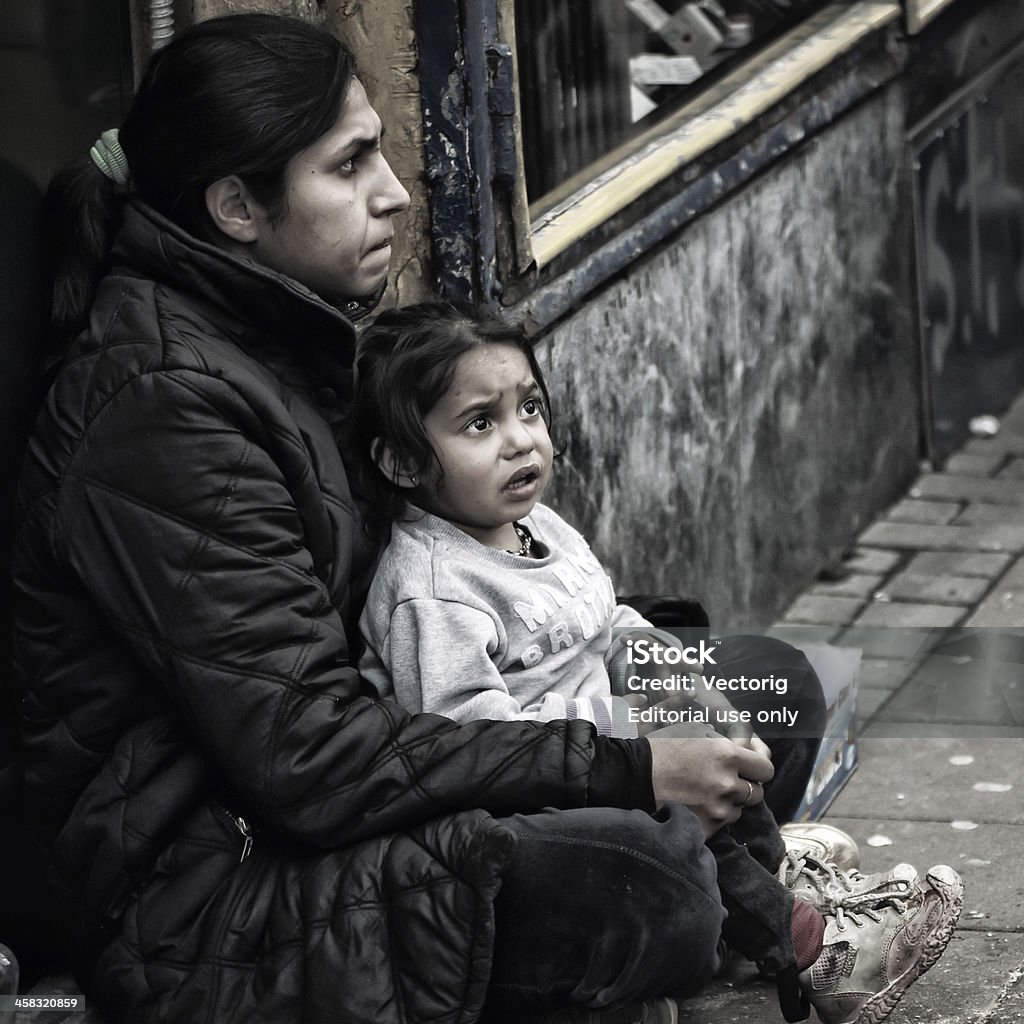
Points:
[(233, 209), (388, 464)]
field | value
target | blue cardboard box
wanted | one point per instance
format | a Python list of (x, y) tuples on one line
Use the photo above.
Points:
[(838, 668)]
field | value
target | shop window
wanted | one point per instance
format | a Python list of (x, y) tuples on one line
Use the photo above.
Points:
[(594, 74), (615, 97)]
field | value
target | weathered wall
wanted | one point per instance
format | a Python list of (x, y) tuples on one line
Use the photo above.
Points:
[(741, 402)]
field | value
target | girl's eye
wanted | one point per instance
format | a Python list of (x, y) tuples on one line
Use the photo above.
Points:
[(479, 425), (532, 407), (348, 166)]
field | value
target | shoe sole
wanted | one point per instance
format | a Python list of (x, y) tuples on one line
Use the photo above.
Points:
[(950, 887)]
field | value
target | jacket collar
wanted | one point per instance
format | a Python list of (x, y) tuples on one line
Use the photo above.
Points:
[(253, 303)]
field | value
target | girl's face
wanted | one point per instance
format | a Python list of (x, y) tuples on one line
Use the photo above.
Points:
[(492, 443), (341, 196)]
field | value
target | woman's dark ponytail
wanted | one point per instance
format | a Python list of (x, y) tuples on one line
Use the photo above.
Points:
[(82, 213)]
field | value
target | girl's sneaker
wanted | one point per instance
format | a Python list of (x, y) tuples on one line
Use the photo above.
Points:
[(823, 842), (873, 952), (827, 886)]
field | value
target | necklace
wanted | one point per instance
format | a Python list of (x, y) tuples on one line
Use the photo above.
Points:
[(525, 541)]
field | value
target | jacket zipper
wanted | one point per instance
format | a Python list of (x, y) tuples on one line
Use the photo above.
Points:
[(244, 828)]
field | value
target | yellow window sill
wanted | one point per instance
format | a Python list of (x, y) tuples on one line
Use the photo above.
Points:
[(920, 12), (734, 103)]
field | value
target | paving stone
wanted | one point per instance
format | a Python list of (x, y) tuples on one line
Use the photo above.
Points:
[(983, 513), (1013, 470), (958, 563), (837, 611), (907, 536), (880, 728), (857, 584), (1014, 575), (872, 560), (1001, 444), (966, 464), (1013, 418), (913, 510), (899, 613), (868, 704), (799, 634), (902, 644), (955, 688), (960, 590), (912, 777), (969, 488), (1003, 607), (885, 673)]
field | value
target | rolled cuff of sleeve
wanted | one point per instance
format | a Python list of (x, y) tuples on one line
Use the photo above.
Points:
[(621, 774)]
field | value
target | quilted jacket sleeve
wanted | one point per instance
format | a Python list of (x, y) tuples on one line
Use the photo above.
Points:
[(190, 512)]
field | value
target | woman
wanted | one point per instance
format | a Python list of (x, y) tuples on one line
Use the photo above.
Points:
[(234, 829)]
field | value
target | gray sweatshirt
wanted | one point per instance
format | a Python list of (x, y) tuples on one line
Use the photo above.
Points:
[(467, 631)]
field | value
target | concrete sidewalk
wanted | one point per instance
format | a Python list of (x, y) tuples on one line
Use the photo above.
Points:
[(933, 596)]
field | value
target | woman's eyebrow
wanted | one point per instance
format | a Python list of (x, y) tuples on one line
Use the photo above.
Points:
[(358, 143)]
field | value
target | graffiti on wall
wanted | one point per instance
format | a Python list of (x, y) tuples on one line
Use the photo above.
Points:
[(970, 187)]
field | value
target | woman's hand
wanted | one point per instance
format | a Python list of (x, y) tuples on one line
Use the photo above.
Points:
[(715, 777)]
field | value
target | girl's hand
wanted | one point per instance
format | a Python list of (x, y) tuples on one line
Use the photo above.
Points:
[(715, 777), (741, 733), (743, 736)]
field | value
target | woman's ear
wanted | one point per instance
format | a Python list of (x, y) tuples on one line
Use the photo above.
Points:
[(388, 464), (233, 209)]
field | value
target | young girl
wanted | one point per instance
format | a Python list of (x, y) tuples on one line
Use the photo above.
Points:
[(486, 604)]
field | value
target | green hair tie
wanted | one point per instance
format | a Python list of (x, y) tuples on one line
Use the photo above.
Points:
[(109, 157)]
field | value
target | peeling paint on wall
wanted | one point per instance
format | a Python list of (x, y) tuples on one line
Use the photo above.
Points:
[(306, 9), (722, 401)]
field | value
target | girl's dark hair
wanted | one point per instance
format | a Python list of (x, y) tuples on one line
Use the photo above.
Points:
[(240, 94), (405, 363)]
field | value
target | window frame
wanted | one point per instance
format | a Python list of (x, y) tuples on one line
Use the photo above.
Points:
[(753, 88), (492, 246), (921, 12)]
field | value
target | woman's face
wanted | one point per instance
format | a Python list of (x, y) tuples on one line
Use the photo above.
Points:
[(340, 198)]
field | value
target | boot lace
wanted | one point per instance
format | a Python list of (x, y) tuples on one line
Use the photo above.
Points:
[(839, 887)]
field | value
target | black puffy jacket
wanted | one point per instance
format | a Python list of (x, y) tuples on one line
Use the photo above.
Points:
[(235, 830)]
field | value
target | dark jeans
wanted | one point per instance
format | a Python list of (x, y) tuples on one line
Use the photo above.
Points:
[(602, 906)]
